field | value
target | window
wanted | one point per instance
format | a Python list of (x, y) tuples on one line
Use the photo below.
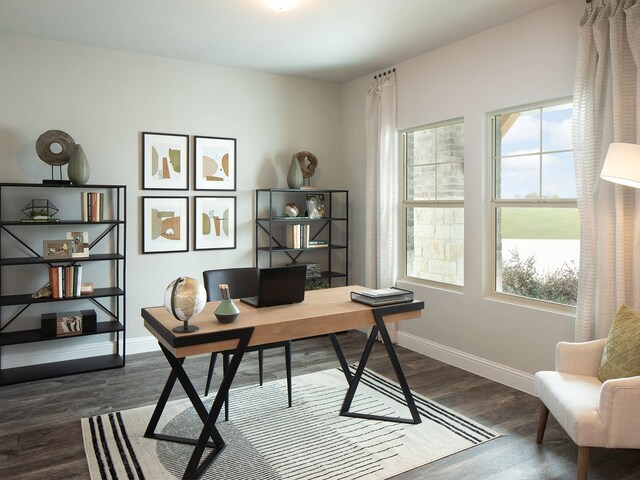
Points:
[(536, 222), (433, 164)]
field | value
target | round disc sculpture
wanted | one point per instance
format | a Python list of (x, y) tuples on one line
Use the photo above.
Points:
[(185, 297)]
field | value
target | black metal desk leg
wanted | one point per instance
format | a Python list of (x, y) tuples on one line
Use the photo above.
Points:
[(343, 361), (378, 314), (162, 401), (177, 372), (195, 471)]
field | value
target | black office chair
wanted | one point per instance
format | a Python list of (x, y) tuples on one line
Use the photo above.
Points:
[(243, 282)]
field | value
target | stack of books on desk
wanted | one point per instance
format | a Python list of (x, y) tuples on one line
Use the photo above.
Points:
[(383, 296)]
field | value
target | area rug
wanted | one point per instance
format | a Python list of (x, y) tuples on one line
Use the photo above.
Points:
[(268, 441)]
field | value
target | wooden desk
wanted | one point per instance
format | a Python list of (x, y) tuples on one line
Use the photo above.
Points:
[(325, 311)]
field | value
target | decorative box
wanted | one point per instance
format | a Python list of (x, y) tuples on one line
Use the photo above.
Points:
[(313, 269), (65, 324)]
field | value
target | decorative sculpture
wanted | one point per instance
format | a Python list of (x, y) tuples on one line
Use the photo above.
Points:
[(308, 163), (55, 147)]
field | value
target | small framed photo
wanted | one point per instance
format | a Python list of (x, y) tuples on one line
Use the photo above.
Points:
[(79, 244), (165, 161), (56, 249), (315, 205), (69, 324), (214, 223), (165, 224), (214, 165)]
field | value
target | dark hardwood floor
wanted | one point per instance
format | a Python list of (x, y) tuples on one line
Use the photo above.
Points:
[(40, 435)]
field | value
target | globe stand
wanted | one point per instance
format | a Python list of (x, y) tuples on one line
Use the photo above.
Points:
[(186, 328)]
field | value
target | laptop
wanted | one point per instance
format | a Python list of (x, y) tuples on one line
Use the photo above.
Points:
[(279, 286)]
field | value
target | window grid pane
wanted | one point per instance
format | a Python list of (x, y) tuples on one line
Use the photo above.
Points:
[(536, 246), (434, 172), (435, 244)]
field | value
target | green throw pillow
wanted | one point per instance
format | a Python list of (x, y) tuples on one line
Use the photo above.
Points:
[(621, 355)]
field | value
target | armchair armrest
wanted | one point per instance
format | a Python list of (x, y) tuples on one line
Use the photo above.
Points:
[(579, 358), (619, 409)]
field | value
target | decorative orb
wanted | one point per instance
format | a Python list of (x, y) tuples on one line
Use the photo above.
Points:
[(291, 210), (185, 297)]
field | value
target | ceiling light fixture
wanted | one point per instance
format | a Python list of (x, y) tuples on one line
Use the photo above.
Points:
[(281, 5)]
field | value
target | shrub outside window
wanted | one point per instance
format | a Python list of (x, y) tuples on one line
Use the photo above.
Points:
[(433, 204), (534, 209)]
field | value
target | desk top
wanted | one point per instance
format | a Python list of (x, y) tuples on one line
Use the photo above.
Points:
[(323, 311)]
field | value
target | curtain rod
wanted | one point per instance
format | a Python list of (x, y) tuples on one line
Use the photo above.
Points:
[(384, 73)]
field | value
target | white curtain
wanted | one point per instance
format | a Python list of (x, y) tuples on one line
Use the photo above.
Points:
[(606, 110), (381, 243)]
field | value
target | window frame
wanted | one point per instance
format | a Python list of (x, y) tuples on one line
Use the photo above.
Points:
[(494, 204), (406, 204)]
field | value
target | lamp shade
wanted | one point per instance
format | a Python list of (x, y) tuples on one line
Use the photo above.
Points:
[(622, 164)]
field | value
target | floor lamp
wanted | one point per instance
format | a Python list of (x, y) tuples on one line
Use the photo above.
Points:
[(622, 164)]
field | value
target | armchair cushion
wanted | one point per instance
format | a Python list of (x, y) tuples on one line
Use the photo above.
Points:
[(579, 358), (621, 354), (573, 401)]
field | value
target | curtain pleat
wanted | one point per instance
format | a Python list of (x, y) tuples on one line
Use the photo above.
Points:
[(605, 111), (382, 187)]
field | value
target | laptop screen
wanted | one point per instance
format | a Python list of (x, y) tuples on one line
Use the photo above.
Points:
[(280, 286)]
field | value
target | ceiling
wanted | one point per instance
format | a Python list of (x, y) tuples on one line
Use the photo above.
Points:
[(334, 40)]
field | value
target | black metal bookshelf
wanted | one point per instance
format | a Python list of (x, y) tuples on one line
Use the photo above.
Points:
[(271, 245), (110, 298)]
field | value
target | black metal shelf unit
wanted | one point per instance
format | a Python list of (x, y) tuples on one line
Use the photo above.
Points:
[(271, 245), (110, 298)]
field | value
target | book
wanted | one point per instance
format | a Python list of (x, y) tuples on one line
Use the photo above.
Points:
[(92, 206), (78, 280), (53, 282), (381, 297), (384, 292), (293, 236), (84, 206), (60, 284), (317, 245), (304, 235)]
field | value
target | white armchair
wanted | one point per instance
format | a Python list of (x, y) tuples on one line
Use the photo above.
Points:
[(594, 414)]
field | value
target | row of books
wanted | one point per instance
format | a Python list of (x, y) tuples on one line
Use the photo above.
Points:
[(298, 236), (65, 281), (92, 206), (383, 296)]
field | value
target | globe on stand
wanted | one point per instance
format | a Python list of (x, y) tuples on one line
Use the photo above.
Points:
[(185, 297)]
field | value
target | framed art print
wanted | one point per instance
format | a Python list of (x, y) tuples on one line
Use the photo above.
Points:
[(79, 244), (165, 224), (214, 163), (56, 249), (214, 223), (165, 161)]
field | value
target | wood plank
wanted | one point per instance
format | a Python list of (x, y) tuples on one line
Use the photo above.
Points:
[(40, 436), (323, 311)]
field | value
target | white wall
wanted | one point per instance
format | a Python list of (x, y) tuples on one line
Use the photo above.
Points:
[(528, 60), (105, 98)]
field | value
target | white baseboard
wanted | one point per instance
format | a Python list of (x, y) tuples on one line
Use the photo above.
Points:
[(485, 368), (480, 366), (142, 345)]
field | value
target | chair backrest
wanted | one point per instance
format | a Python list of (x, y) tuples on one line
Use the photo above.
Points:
[(243, 282)]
